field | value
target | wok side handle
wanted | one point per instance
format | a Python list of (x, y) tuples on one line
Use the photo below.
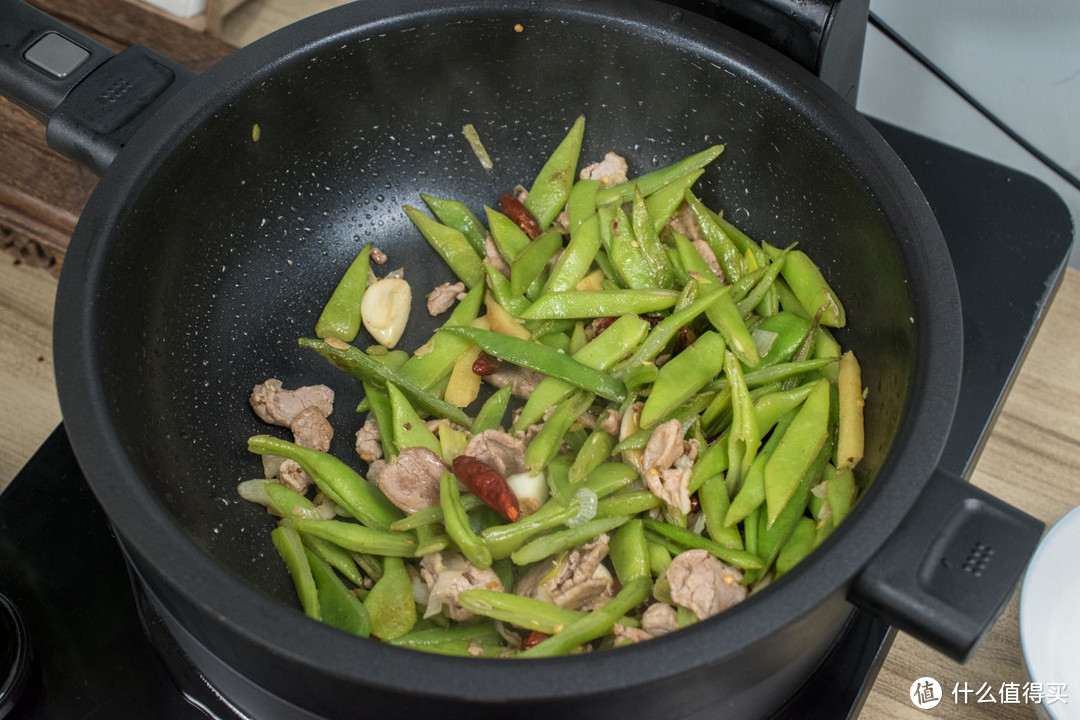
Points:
[(951, 567), (93, 100)]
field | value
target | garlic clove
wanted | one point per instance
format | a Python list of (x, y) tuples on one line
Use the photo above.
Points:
[(385, 310), (531, 490)]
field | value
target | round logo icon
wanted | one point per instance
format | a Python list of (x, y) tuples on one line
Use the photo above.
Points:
[(925, 693)]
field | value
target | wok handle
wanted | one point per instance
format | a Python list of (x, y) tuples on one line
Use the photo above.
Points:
[(93, 100), (824, 36), (951, 567)]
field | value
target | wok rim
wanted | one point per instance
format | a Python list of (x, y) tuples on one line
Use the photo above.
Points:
[(147, 529)]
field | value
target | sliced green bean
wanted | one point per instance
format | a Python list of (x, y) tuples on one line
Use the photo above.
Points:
[(543, 360), (598, 303), (682, 536), (356, 363), (545, 445), (337, 606), (629, 552), (532, 261), (291, 549), (456, 215), (550, 190), (682, 376), (605, 350), (335, 478), (726, 318), (562, 540), (663, 202), (409, 428), (651, 182), (356, 538), (390, 603), (335, 555), (596, 450), (340, 317), (493, 410), (510, 239), (451, 246), (628, 503), (797, 450), (649, 240), (576, 259), (595, 624), (457, 523)]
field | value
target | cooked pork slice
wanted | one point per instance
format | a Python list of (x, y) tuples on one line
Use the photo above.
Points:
[(659, 619), (523, 379), (610, 421), (443, 297), (312, 430), (684, 222), (609, 171), (666, 465), (671, 485), (375, 471), (503, 452), (411, 480), (575, 584), (293, 476), (277, 406), (369, 441), (704, 584), (665, 446), (630, 635), (448, 573)]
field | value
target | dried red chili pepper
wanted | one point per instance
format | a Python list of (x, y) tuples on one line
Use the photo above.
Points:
[(512, 208), (487, 484), (535, 638), (485, 364)]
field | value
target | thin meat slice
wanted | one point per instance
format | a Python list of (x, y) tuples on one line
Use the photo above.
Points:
[(704, 584), (446, 574), (503, 452), (575, 583), (369, 441), (443, 297), (609, 171), (411, 480), (666, 465), (277, 406)]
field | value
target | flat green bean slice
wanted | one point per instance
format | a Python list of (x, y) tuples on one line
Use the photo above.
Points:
[(563, 540), (595, 624), (337, 606), (289, 546), (390, 603)]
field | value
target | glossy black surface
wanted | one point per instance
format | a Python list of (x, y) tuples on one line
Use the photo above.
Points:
[(58, 560)]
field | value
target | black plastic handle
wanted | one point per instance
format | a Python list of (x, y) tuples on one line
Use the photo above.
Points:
[(824, 36), (92, 99), (951, 567)]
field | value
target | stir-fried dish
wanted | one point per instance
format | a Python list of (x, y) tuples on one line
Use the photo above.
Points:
[(674, 428)]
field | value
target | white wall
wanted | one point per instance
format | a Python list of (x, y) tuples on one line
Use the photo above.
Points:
[(1021, 59)]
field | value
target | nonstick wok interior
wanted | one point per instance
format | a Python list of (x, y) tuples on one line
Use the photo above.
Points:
[(227, 253)]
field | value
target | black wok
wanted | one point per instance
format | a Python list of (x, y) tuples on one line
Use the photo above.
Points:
[(204, 254)]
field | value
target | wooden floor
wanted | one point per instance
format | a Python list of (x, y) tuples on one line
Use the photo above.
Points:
[(31, 409)]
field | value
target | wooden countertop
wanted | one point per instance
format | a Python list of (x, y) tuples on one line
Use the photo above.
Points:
[(1032, 459)]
